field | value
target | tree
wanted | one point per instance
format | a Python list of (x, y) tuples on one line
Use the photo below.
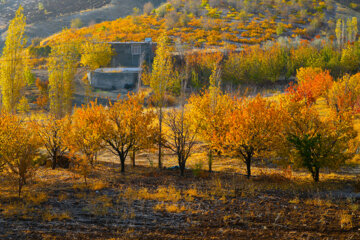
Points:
[(345, 94), (148, 8), (315, 142), (254, 127), (85, 136), (13, 70), (350, 59), (162, 78), (19, 149), (312, 83), (125, 126), (52, 134), (340, 32), (180, 136), (209, 113), (62, 65), (96, 54)]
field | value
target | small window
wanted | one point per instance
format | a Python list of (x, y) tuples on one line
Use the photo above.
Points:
[(136, 49)]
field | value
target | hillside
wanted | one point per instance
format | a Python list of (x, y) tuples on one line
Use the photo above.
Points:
[(223, 23), (46, 17)]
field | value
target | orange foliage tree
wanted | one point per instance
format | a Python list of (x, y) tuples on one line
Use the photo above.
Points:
[(126, 125), (312, 84), (84, 136), (254, 127)]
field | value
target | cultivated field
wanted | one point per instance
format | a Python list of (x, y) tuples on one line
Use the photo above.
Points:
[(145, 203)]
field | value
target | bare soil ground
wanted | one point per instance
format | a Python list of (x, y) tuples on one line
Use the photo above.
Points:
[(146, 203)]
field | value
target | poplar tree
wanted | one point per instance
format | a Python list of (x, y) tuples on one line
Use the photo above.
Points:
[(13, 71), (62, 65), (162, 79)]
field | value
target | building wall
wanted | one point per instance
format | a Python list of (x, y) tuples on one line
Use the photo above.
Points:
[(113, 81), (129, 54)]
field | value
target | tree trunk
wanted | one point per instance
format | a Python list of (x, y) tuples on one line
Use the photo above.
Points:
[(20, 186), (160, 132), (316, 174), (133, 158), (122, 161), (210, 160), (248, 168), (182, 170), (54, 160), (181, 165)]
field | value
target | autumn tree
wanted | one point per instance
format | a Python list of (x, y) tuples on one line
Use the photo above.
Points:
[(19, 149), (14, 71), (62, 65), (85, 137), (52, 133), (161, 79), (315, 141), (312, 83), (95, 54), (209, 113), (126, 125), (345, 94), (180, 136), (254, 127)]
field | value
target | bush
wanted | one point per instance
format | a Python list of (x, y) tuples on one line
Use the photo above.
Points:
[(76, 23)]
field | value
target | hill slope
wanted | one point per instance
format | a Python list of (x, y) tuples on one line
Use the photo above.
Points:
[(203, 23)]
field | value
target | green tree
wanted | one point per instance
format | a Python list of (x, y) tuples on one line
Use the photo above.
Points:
[(13, 71)]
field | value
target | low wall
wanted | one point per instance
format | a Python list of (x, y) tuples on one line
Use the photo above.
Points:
[(113, 81)]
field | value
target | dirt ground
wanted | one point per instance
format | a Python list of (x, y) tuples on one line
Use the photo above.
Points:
[(146, 203)]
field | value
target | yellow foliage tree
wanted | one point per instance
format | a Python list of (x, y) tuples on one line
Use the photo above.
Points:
[(254, 127), (13, 66), (162, 78), (19, 149), (62, 65), (315, 141)]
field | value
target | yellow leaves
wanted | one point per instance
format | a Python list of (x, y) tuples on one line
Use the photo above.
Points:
[(62, 67), (96, 54), (209, 114), (12, 77)]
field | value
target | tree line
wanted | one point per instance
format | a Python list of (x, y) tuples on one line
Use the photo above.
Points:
[(288, 129)]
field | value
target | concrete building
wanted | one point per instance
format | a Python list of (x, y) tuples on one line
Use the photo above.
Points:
[(125, 66)]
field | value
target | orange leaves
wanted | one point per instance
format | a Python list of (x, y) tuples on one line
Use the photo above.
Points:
[(85, 136), (126, 125), (312, 83), (253, 126)]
